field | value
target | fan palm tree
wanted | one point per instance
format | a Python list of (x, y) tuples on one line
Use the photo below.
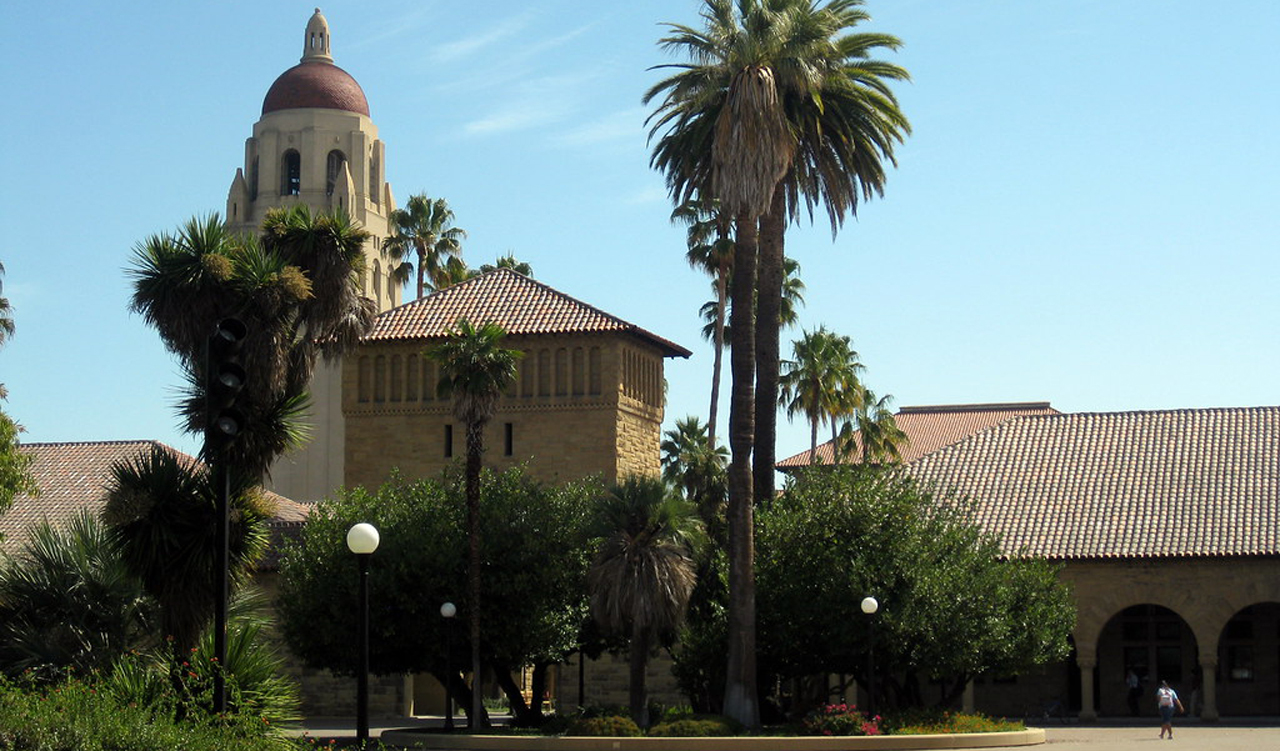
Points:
[(818, 380), (875, 429), (449, 273), (698, 470), (644, 571), (475, 370), (710, 250), (68, 602), (423, 230), (6, 315), (509, 261), (792, 300), (779, 104)]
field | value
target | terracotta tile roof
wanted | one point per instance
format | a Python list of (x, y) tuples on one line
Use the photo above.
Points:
[(1179, 483), (932, 427), (74, 476), (514, 301)]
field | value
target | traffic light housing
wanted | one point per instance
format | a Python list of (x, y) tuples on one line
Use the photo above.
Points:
[(225, 378)]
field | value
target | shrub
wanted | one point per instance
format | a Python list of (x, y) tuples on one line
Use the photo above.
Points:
[(921, 722), (707, 727), (74, 716), (840, 719), (612, 727)]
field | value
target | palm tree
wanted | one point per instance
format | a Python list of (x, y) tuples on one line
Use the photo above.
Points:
[(508, 261), (778, 104), (6, 315), (68, 602), (161, 516), (475, 370), (644, 571), (792, 299), (297, 289), (423, 229), (876, 430), (818, 380), (449, 273), (710, 250), (698, 470)]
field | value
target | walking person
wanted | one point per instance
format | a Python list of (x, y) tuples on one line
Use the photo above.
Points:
[(1135, 691), (1167, 700)]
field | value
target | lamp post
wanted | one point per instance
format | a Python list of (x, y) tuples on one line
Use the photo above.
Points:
[(448, 611), (870, 606), (362, 539)]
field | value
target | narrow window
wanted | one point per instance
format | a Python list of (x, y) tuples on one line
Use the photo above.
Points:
[(380, 379), (544, 372), (508, 439), (411, 378), (333, 171), (579, 372), (397, 379), (448, 441), (365, 379), (562, 371), (290, 173), (593, 365), (375, 186), (528, 371)]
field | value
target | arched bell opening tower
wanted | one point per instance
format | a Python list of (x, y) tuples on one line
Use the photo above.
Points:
[(316, 145)]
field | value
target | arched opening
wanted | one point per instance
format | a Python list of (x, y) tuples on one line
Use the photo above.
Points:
[(333, 171), (1248, 679), (290, 173), (1155, 644)]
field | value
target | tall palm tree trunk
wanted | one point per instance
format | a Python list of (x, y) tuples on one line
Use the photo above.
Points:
[(475, 451), (639, 659), (769, 278), (722, 299), (740, 696)]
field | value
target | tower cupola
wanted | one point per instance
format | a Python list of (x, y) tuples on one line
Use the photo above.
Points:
[(315, 48)]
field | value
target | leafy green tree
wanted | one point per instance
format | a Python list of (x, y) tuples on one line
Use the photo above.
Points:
[(535, 534), (67, 603), (475, 370), (644, 571), (780, 103), (952, 605), (424, 230), (15, 465)]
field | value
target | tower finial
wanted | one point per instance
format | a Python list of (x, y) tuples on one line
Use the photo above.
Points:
[(315, 47)]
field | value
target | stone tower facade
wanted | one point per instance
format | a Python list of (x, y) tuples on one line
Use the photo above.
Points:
[(316, 145)]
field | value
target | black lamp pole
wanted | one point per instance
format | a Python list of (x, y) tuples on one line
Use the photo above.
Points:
[(448, 610), (870, 606), (362, 539), (362, 679)]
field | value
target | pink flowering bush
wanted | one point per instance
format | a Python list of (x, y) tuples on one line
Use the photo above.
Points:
[(840, 719)]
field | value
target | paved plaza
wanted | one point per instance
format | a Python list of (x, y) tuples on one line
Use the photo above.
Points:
[(1228, 736)]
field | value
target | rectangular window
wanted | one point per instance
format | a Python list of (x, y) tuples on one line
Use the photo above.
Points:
[(508, 439), (448, 441)]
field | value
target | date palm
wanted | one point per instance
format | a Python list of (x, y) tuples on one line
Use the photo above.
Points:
[(423, 230), (475, 370), (509, 261), (644, 571)]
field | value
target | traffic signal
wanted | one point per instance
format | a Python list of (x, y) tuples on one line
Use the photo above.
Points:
[(225, 379)]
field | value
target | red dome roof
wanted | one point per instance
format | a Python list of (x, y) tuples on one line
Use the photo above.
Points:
[(316, 84)]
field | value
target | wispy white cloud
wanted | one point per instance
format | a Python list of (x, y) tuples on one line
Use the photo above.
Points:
[(470, 45), (385, 30), (651, 194), (627, 124), (517, 117)]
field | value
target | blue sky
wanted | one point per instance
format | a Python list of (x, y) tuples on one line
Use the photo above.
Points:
[(1085, 213)]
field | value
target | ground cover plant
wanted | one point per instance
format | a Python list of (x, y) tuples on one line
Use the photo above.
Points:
[(77, 715)]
